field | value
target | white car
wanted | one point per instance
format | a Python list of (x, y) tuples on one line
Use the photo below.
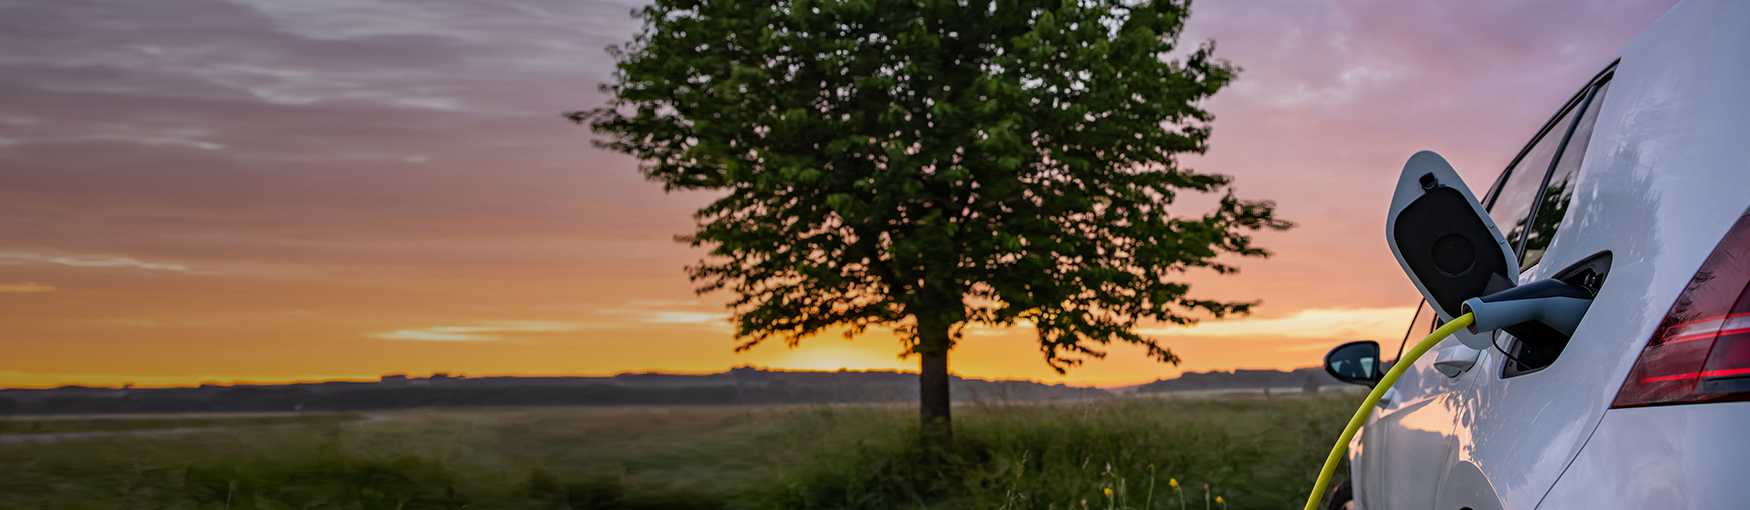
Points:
[(1637, 192)]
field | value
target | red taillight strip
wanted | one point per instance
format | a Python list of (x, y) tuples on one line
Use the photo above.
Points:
[(1706, 328), (1692, 375), (1677, 377), (1693, 330)]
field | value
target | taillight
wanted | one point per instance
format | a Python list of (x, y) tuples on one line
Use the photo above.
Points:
[(1701, 351)]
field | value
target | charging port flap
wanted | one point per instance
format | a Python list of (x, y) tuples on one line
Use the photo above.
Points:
[(1443, 239)]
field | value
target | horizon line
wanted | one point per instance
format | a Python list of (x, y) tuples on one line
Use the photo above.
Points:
[(458, 375)]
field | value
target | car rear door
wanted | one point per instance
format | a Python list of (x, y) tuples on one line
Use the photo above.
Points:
[(1515, 427)]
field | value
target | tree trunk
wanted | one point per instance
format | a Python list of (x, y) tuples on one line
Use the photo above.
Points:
[(933, 395), (933, 345)]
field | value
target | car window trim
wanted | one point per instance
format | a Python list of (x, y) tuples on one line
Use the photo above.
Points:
[(1415, 318), (1495, 193), (1583, 94)]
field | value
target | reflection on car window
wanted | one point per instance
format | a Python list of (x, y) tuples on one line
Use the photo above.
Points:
[(1420, 327), (1553, 206), (1355, 362), (1512, 204)]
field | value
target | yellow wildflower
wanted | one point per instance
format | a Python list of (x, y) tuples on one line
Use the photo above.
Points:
[(1108, 492), (1219, 501), (1173, 482)]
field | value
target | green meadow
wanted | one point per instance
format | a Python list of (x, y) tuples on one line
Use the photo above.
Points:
[(1129, 453)]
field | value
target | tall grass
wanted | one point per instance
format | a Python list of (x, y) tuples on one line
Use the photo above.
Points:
[(111, 424), (1116, 454), (1120, 453)]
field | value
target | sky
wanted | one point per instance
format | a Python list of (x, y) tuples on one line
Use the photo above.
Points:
[(214, 191)]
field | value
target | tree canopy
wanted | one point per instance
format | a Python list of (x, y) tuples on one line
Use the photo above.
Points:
[(926, 165)]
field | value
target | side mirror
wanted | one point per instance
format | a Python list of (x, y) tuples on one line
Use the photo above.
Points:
[(1355, 363)]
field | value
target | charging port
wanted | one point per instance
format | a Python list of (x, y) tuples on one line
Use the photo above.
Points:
[(1536, 346)]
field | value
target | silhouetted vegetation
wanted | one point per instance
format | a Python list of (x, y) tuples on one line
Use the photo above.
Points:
[(609, 493), (929, 165), (1309, 379), (1150, 453), (740, 386), (1254, 454)]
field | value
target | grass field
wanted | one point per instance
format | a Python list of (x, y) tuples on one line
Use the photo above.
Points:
[(71, 424), (1115, 453)]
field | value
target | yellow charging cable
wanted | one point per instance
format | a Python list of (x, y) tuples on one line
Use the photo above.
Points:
[(1391, 376)]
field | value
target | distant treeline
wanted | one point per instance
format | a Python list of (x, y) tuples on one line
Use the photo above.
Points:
[(745, 385), (1309, 379)]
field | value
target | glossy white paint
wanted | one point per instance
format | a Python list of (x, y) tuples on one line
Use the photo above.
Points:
[(1387, 456), (1455, 360), (1666, 173), (1660, 457)]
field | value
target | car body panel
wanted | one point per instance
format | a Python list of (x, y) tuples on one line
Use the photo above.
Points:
[(1689, 456), (1416, 426), (1665, 175)]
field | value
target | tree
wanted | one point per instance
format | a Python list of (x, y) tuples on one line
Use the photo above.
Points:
[(927, 165)]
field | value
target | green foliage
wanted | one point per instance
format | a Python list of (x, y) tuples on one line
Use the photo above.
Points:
[(928, 164), (334, 481), (410, 461), (1149, 453), (1253, 453), (1550, 211), (607, 493)]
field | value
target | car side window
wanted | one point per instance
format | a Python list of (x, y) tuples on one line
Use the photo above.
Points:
[(1531, 197), (1420, 327), (1553, 204), (1513, 200)]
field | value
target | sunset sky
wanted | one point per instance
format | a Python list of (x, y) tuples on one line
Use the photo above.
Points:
[(219, 191)]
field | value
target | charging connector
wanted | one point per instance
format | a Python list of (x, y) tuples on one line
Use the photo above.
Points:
[(1554, 303)]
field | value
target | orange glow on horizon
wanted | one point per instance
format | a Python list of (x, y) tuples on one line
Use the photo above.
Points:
[(310, 192)]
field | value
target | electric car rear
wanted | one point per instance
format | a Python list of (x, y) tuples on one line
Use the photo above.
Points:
[(1636, 189)]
